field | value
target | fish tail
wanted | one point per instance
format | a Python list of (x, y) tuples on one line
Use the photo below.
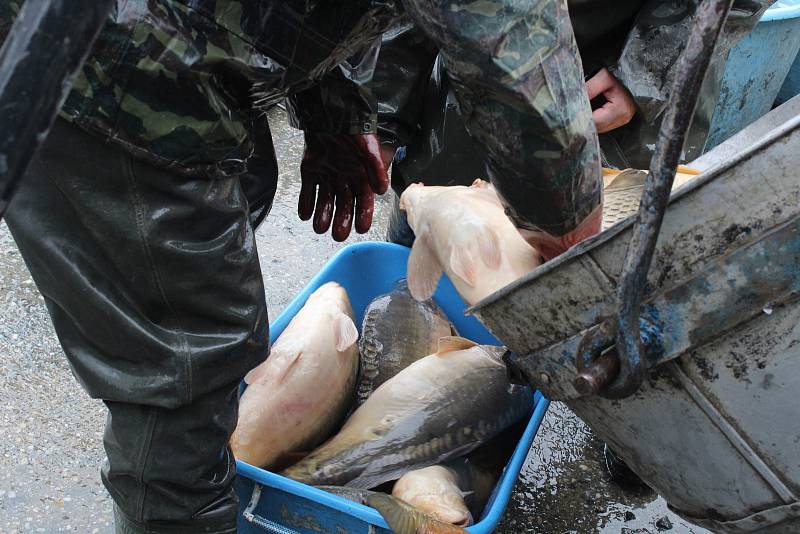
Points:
[(403, 518)]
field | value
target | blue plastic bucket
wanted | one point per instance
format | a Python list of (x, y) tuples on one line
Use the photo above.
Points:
[(756, 69), (272, 503)]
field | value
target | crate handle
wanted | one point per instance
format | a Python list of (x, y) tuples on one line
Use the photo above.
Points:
[(262, 522), (618, 374)]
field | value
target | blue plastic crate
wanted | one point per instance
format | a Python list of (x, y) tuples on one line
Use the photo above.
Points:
[(272, 503)]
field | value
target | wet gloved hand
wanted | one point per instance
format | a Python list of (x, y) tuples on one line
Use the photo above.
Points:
[(341, 172), (619, 107)]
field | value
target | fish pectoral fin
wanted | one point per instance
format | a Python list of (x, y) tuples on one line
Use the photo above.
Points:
[(424, 270), (255, 373), (403, 518), (283, 373), (401, 203), (489, 248), (454, 343), (345, 332), (462, 266)]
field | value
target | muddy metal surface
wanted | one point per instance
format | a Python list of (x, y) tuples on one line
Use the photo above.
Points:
[(51, 432)]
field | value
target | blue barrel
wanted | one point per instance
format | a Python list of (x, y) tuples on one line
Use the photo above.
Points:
[(756, 69), (791, 87)]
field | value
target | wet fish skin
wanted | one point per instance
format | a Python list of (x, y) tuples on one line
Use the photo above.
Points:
[(403, 518), (465, 233), (440, 407), (303, 391), (437, 491), (397, 331), (479, 471), (460, 488)]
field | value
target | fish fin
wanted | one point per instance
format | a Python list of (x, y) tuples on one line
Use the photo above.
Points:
[(424, 269), (454, 343), (465, 494), (489, 248), (344, 331), (402, 204), (289, 366), (254, 374), (463, 266), (403, 518)]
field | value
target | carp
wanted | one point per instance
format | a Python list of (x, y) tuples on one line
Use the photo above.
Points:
[(465, 233), (403, 518), (440, 407), (435, 491), (397, 331), (303, 391)]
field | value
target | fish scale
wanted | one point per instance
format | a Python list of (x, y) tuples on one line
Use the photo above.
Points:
[(396, 331), (446, 405)]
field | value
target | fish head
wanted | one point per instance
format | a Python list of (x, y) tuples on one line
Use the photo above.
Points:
[(330, 291), (435, 492), (403, 518), (418, 197), (446, 507)]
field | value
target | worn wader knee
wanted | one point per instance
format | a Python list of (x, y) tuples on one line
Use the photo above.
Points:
[(153, 284)]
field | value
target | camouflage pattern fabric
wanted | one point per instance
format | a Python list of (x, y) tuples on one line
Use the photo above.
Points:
[(645, 68), (173, 81), (515, 69), (636, 39)]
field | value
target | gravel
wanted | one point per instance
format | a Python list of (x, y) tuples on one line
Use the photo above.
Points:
[(51, 447)]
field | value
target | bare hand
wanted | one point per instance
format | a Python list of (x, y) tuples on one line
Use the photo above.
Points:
[(619, 108), (550, 246)]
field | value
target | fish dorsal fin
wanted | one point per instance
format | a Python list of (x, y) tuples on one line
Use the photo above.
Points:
[(424, 270), (454, 343), (345, 332)]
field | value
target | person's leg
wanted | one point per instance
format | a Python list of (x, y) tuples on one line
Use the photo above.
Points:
[(153, 284)]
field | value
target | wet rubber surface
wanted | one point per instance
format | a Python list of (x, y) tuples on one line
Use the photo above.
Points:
[(51, 432)]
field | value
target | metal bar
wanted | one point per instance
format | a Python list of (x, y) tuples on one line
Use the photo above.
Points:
[(691, 70), (46, 46)]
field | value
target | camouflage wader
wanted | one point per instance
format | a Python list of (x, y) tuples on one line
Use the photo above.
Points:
[(136, 220), (515, 69), (635, 39)]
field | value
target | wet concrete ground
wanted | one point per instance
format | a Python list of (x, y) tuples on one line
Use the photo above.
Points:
[(51, 432)]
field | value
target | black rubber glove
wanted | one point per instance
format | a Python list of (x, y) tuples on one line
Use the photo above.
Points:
[(344, 172)]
